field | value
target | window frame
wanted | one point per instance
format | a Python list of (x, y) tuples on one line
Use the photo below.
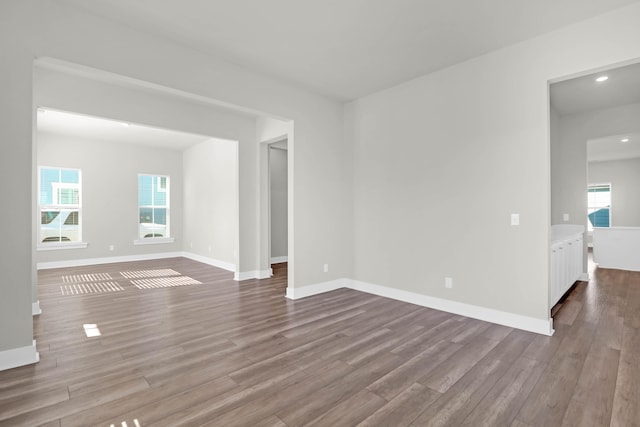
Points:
[(161, 184), (593, 186), (56, 205)]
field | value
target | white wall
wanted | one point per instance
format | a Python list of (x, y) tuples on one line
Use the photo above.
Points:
[(624, 176), (557, 169), (16, 173), (44, 28), (110, 193), (425, 150), (211, 200), (278, 205)]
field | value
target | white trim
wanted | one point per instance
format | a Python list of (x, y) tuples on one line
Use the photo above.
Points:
[(210, 261), (584, 277), (279, 259), (513, 320), (255, 274), (61, 245), (154, 241), (19, 357), (106, 260), (540, 326), (35, 308), (318, 288)]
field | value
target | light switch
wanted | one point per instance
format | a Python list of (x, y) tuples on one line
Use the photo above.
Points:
[(515, 219), (565, 217)]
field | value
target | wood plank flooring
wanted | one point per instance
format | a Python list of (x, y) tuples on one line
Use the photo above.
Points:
[(223, 353)]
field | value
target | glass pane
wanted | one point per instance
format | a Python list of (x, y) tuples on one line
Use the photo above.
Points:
[(160, 198), (146, 215), (69, 196), (145, 190), (160, 216), (47, 216), (47, 178), (59, 226), (70, 176)]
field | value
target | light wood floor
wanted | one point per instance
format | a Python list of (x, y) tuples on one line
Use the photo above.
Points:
[(224, 353)]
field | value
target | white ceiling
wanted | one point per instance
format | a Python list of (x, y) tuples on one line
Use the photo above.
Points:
[(346, 48), (612, 148), (584, 94), (95, 128)]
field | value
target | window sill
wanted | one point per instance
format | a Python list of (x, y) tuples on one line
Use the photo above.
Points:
[(154, 241), (61, 246)]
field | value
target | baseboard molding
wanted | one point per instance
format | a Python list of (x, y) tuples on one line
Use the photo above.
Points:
[(20, 356), (35, 308), (210, 261), (584, 277), (255, 274), (540, 326), (318, 288), (105, 260), (279, 259)]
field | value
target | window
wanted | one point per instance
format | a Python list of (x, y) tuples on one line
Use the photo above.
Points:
[(599, 206), (153, 206), (59, 204)]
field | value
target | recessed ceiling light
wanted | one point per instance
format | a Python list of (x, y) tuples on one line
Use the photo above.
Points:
[(125, 124), (602, 79), (624, 140)]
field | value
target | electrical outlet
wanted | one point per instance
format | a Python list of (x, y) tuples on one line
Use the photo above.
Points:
[(515, 219), (112, 248), (448, 282), (326, 268), (565, 217)]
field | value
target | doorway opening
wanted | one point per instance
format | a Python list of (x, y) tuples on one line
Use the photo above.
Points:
[(595, 139)]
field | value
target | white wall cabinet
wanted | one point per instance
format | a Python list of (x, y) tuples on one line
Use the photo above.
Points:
[(566, 264)]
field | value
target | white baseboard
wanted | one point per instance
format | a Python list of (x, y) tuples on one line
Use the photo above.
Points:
[(106, 260), (19, 357), (255, 274), (35, 308), (540, 326), (318, 288), (279, 259), (584, 277), (512, 320), (210, 261)]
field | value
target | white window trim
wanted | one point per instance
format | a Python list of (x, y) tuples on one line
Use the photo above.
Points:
[(56, 246), (154, 240)]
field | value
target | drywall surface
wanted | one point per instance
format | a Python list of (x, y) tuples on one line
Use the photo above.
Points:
[(110, 193), (557, 168), (16, 322), (441, 163), (211, 200), (278, 181), (45, 29), (624, 177)]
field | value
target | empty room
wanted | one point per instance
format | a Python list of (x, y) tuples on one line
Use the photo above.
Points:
[(331, 213)]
